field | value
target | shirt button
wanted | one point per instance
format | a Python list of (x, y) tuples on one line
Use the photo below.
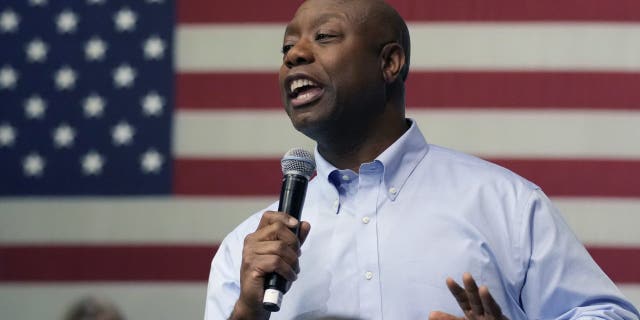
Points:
[(393, 190), (368, 275), (365, 220), (345, 177)]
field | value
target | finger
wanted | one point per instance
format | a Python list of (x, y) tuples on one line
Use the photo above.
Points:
[(460, 295), (472, 292), (268, 264), (270, 217), (305, 227), (439, 315), (278, 248), (489, 304), (275, 231)]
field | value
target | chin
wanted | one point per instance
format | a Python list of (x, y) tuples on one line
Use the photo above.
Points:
[(311, 129)]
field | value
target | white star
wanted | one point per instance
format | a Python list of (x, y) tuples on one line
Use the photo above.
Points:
[(94, 49), (8, 77), (92, 163), (123, 76), (152, 104), (65, 78), (93, 106), (34, 107), (63, 136), (33, 165), (151, 161), (36, 50), (125, 20), (122, 134), (7, 135), (154, 48), (95, 1), (67, 21), (37, 3), (9, 21)]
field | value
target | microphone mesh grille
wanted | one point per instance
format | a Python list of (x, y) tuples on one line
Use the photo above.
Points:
[(298, 161)]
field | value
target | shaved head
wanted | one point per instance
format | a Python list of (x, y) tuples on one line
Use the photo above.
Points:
[(386, 21), (381, 21)]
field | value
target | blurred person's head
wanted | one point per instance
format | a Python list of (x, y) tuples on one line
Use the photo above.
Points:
[(93, 308)]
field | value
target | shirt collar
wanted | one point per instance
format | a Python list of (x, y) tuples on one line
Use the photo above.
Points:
[(399, 160)]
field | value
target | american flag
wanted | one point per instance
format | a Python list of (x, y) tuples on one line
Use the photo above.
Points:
[(135, 134)]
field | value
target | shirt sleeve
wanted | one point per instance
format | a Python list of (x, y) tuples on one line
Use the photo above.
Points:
[(561, 279), (223, 288)]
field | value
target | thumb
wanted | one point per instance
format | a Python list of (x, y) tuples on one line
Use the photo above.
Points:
[(439, 315), (305, 227)]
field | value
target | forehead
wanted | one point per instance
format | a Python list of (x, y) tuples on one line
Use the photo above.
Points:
[(316, 12)]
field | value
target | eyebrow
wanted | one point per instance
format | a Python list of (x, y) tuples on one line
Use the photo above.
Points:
[(324, 18)]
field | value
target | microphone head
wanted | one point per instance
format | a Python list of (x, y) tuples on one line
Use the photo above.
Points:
[(298, 161)]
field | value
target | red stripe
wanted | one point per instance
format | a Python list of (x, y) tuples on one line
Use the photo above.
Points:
[(105, 263), (185, 263), (599, 178), (568, 90), (231, 177), (622, 265), (558, 177), (220, 11)]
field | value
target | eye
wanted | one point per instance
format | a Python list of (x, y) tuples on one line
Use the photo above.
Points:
[(286, 48), (324, 36)]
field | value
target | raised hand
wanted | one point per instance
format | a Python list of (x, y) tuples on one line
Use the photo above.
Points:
[(476, 303)]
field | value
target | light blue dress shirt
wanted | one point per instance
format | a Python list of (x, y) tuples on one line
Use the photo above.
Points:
[(384, 240)]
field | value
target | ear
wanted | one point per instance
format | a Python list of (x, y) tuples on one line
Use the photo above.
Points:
[(392, 60)]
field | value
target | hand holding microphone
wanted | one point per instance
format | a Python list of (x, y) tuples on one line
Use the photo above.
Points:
[(270, 254)]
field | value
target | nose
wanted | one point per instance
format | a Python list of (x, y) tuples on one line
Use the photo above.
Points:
[(299, 54)]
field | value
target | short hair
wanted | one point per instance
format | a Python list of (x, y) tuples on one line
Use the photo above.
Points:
[(89, 308), (386, 13)]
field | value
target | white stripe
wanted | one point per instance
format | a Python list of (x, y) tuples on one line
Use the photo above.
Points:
[(632, 292), (136, 301), (124, 220), (235, 134), (492, 46), (494, 133), (207, 220), (602, 221)]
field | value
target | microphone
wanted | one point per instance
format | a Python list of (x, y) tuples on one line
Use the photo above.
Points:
[(297, 167)]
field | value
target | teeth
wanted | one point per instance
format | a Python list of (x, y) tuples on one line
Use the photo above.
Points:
[(299, 83)]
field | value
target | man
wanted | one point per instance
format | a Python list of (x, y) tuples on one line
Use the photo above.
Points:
[(389, 217)]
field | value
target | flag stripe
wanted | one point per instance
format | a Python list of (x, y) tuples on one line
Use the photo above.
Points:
[(202, 11), (105, 263), (503, 133), (185, 263), (206, 220), (134, 299), (434, 89), (599, 178), (436, 46), (148, 300), (558, 177), (125, 220), (620, 264)]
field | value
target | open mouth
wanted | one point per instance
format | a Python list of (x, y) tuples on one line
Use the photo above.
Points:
[(303, 91)]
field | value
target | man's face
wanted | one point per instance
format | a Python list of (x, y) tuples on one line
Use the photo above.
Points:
[(330, 76)]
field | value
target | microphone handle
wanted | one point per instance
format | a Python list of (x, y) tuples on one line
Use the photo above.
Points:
[(292, 194)]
